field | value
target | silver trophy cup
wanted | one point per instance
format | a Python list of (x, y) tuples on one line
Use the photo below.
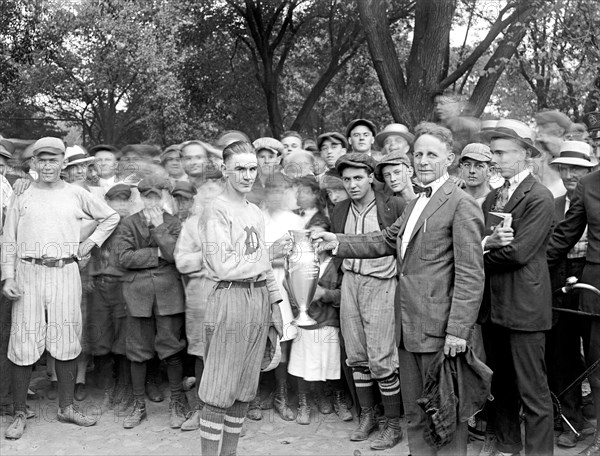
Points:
[(302, 274)]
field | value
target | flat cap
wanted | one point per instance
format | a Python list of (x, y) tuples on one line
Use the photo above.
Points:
[(184, 188), (356, 122), (49, 145), (395, 158), (355, 160), (7, 149), (153, 184), (477, 151), (268, 143), (118, 189), (333, 136)]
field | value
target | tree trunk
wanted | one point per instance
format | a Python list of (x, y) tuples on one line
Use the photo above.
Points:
[(427, 65), (374, 18)]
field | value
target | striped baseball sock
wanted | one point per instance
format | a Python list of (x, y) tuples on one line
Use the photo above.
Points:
[(234, 420), (211, 426), (364, 386), (389, 388)]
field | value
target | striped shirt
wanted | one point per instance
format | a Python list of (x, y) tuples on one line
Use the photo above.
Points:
[(361, 223)]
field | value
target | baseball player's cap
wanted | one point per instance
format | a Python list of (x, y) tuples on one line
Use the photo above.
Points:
[(152, 184), (185, 189), (49, 145), (395, 158), (7, 149), (355, 160), (477, 151), (334, 137), (118, 189)]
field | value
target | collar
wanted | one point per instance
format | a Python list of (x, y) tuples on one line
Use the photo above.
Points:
[(518, 178), (436, 184)]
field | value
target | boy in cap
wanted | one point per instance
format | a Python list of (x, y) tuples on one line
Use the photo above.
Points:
[(107, 310), (41, 248), (268, 152), (475, 169), (154, 297), (183, 192), (170, 159), (332, 145), (368, 330), (361, 135), (397, 171)]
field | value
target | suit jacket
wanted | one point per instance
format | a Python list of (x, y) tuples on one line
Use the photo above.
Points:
[(518, 293), (584, 210), (148, 278), (389, 208), (441, 275)]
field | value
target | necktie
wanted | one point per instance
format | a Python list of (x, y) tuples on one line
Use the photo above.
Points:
[(501, 197), (425, 190)]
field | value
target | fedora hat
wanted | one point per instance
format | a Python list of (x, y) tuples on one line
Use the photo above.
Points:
[(513, 129), (394, 129), (76, 156), (576, 153)]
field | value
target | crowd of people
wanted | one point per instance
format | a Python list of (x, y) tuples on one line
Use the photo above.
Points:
[(439, 250)]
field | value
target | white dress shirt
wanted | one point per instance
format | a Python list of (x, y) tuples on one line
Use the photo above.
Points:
[(420, 205)]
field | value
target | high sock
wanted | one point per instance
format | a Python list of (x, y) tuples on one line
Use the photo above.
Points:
[(175, 374), (21, 376), (234, 420), (138, 379), (65, 373), (303, 386), (390, 395), (364, 386), (211, 426)]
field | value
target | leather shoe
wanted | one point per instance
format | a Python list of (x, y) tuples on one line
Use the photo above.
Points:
[(390, 436), (366, 425), (70, 414), (137, 415), (193, 421), (17, 427)]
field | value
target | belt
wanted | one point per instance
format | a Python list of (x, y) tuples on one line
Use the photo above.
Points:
[(228, 285), (51, 263)]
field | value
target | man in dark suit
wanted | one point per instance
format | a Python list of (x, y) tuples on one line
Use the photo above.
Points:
[(154, 296), (585, 211), (367, 300), (440, 265), (563, 342), (517, 302)]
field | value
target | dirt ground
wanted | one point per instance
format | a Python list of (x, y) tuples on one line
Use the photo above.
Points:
[(271, 436)]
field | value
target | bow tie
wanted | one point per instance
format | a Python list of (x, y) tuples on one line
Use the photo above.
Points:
[(425, 190)]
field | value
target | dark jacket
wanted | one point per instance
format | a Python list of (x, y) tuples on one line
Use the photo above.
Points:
[(455, 389), (518, 294), (584, 210), (150, 284), (389, 209)]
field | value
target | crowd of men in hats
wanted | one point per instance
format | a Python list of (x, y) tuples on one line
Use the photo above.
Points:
[(439, 252)]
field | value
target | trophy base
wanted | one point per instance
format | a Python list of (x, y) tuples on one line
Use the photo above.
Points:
[(304, 320)]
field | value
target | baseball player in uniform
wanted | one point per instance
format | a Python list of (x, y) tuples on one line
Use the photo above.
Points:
[(41, 247), (243, 304)]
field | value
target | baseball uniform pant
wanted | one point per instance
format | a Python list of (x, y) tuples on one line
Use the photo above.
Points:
[(47, 316), (236, 328)]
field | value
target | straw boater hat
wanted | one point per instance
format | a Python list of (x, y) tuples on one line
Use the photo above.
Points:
[(576, 153), (77, 156), (513, 129), (394, 129)]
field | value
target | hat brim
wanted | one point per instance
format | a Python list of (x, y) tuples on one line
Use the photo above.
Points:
[(81, 161), (475, 156), (491, 134), (183, 193), (156, 191), (125, 193), (5, 153), (572, 161), (48, 150), (380, 138)]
